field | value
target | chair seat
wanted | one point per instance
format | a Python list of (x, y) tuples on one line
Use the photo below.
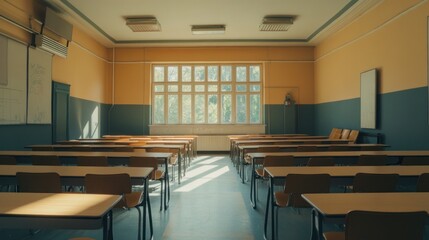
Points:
[(260, 172), (282, 199), (173, 159), (131, 200), (158, 175), (334, 235)]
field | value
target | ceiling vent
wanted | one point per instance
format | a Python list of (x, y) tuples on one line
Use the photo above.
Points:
[(143, 24), (276, 23), (208, 29)]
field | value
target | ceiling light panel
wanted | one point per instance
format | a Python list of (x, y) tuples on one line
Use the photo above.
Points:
[(143, 24), (276, 23), (208, 29)]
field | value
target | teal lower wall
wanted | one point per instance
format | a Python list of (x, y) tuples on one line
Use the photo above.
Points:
[(87, 119), (17, 137), (129, 119), (289, 119), (402, 118)]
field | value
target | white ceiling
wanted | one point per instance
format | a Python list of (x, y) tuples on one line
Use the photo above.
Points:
[(314, 19)]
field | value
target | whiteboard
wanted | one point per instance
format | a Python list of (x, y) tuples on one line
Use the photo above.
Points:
[(13, 81), (368, 97), (39, 87)]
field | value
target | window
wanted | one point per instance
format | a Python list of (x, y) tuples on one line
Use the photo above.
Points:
[(206, 94)]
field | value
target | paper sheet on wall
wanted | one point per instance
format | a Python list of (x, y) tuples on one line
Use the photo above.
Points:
[(39, 87)]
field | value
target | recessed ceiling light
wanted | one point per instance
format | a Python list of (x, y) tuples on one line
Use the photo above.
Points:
[(208, 29), (276, 23), (143, 24)]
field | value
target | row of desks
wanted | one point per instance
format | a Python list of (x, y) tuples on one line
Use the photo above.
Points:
[(343, 174), (66, 210)]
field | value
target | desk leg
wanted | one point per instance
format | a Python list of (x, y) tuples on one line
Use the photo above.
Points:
[(253, 186), (166, 187), (267, 210), (179, 175), (317, 225), (108, 226)]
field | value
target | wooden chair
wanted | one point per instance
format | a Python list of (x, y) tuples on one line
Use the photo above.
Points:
[(423, 183), (297, 184), (99, 161), (7, 160), (372, 160), (38, 182), (345, 134), (46, 160), (381, 226), (353, 136), (118, 184), (43, 148), (156, 175), (306, 148), (415, 161), (370, 182), (335, 133), (173, 161), (339, 148), (269, 161), (320, 162)]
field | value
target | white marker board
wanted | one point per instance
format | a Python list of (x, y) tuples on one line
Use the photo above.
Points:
[(368, 99)]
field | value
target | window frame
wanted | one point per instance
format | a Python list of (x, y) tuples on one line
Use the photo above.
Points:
[(206, 83)]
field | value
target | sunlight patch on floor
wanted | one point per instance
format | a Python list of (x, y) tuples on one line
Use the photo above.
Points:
[(200, 181)]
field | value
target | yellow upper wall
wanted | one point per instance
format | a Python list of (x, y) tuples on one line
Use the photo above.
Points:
[(285, 68), (391, 37)]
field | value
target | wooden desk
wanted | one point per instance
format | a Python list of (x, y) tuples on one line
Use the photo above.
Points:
[(118, 157), (113, 147), (58, 210), (336, 172), (334, 206), (75, 175)]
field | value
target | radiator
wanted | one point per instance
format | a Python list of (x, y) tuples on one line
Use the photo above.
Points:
[(213, 143)]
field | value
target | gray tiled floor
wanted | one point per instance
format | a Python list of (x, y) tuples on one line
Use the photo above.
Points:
[(210, 203)]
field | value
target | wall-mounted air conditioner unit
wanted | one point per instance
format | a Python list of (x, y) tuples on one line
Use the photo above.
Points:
[(55, 26), (50, 45)]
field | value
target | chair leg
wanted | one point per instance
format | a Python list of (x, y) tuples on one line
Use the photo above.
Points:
[(139, 228), (162, 195)]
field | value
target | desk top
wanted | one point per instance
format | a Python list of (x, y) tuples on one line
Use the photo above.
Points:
[(414, 153), (106, 146), (347, 171), (77, 153), (67, 205), (75, 171), (292, 140), (352, 145), (339, 204)]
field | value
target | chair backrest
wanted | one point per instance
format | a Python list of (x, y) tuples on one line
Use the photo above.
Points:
[(117, 184), (339, 148), (335, 133), (277, 161), (145, 162), (268, 149), (423, 183), (92, 161), (7, 160), (45, 160), (297, 184), (38, 182), (306, 148), (43, 148), (415, 161), (385, 225), (82, 149), (372, 160), (353, 136), (370, 182), (320, 162), (345, 134)]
